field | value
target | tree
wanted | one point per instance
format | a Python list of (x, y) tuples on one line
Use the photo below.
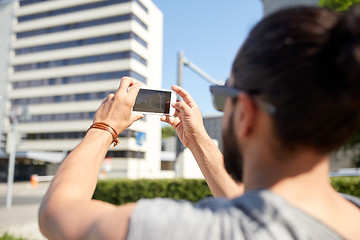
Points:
[(342, 5), (167, 132), (338, 5)]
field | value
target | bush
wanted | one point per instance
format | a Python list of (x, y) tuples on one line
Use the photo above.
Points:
[(125, 191), (6, 236), (348, 185)]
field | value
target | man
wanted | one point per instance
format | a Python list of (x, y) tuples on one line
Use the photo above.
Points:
[(292, 98)]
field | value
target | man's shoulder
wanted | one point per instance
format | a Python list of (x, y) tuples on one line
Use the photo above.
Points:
[(258, 214)]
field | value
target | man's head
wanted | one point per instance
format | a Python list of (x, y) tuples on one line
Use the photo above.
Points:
[(306, 63)]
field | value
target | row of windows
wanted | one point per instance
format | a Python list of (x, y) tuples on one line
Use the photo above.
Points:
[(72, 135), (125, 154), (28, 2), (65, 117), (62, 117), (81, 42), (80, 25), (71, 9), (61, 98), (142, 5), (78, 79), (80, 60)]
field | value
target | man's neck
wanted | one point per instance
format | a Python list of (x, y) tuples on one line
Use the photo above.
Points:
[(291, 176)]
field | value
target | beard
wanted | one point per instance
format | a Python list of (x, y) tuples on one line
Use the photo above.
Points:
[(233, 159)]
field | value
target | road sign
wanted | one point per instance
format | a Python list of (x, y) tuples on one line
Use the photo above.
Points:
[(140, 138)]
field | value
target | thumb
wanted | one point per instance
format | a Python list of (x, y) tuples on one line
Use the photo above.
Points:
[(136, 116)]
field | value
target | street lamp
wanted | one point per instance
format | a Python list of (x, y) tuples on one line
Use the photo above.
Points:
[(183, 61), (16, 113)]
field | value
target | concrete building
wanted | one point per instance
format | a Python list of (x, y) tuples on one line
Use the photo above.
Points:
[(6, 20), (213, 126), (274, 5), (66, 56), (168, 156)]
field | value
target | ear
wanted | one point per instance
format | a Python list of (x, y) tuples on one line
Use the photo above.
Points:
[(244, 115)]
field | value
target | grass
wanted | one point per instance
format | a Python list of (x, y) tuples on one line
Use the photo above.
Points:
[(6, 236)]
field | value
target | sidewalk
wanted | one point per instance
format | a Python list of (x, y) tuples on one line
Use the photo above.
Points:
[(21, 219)]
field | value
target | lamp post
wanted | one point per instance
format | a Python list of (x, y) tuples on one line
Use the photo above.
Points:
[(16, 112), (183, 61)]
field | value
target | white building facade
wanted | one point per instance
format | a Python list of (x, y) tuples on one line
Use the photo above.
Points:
[(6, 17), (66, 56)]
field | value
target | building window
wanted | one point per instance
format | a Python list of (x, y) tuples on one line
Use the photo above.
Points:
[(167, 165), (80, 60), (66, 135), (126, 154), (80, 25)]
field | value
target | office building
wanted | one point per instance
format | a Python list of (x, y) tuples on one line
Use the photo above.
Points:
[(6, 16), (274, 5), (66, 56), (213, 125)]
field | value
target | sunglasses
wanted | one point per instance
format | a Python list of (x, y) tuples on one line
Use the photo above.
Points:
[(220, 93)]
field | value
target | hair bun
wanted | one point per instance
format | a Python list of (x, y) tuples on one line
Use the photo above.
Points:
[(344, 44)]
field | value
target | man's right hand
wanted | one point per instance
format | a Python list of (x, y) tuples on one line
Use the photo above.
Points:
[(189, 126), (187, 120)]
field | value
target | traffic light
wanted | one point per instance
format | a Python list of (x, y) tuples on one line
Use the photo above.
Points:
[(2, 142)]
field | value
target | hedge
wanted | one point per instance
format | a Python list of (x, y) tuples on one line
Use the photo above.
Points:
[(7, 236), (124, 191), (348, 185)]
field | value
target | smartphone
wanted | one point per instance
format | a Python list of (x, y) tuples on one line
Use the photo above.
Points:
[(155, 101)]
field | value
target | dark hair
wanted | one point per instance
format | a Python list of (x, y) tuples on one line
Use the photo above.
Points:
[(305, 61)]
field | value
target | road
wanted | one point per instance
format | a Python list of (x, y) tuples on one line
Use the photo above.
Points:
[(21, 219)]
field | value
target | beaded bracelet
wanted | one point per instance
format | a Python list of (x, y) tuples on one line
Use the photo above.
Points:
[(107, 127)]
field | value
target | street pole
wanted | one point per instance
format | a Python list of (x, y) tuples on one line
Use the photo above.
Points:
[(11, 168), (183, 61), (179, 83), (180, 67)]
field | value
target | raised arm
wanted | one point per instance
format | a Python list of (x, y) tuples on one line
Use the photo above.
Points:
[(189, 126), (67, 210)]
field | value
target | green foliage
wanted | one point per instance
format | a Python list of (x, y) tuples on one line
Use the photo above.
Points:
[(348, 185), (124, 191), (338, 5), (352, 144), (167, 132), (6, 236)]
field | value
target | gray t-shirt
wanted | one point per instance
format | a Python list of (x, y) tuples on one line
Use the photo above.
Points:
[(259, 214)]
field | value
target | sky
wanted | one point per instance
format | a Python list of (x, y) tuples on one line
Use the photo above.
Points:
[(209, 32)]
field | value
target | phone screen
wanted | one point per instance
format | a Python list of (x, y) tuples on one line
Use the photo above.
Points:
[(153, 101)]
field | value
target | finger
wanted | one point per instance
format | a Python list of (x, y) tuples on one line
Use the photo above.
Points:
[(136, 116), (176, 122), (125, 83), (110, 96), (163, 118), (133, 91), (182, 107), (184, 95), (177, 113), (167, 118)]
